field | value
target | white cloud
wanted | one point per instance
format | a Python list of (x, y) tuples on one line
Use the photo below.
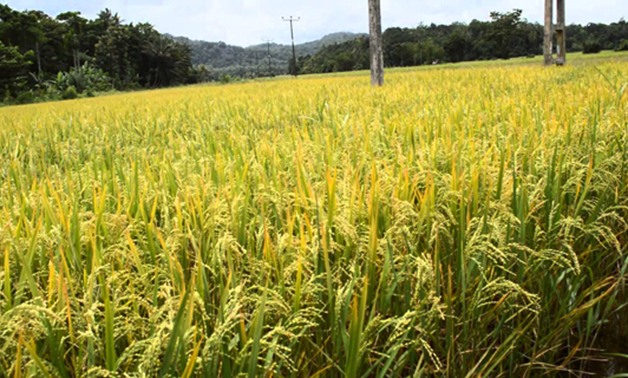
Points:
[(246, 22)]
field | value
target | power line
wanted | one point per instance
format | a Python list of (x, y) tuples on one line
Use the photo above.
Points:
[(294, 54)]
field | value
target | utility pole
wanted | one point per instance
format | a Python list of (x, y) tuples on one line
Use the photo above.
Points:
[(559, 29), (375, 43), (294, 54), (548, 33), (561, 41), (270, 63)]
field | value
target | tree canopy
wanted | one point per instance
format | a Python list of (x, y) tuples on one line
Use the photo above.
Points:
[(505, 35), (127, 55)]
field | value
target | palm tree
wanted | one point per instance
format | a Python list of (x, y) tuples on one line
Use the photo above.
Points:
[(159, 53)]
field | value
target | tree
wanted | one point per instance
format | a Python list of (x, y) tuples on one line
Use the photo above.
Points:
[(112, 55), (14, 68), (74, 37), (504, 32), (347, 56), (168, 62), (457, 46)]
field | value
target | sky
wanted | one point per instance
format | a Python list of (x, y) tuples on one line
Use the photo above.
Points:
[(249, 22)]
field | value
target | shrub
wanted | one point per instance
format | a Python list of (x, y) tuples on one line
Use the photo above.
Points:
[(26, 97), (591, 47), (69, 93), (85, 78), (226, 79)]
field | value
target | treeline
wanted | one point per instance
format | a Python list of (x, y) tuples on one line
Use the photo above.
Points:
[(505, 35), (67, 56)]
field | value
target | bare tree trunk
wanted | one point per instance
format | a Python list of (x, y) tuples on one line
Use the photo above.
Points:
[(548, 32), (561, 39), (375, 42), (39, 70)]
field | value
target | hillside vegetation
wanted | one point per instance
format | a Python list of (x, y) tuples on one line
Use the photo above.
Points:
[(220, 58)]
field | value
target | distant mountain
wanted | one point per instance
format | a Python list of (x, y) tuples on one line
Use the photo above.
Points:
[(253, 60), (308, 48)]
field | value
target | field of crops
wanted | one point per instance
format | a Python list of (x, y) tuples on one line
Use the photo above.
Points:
[(459, 221)]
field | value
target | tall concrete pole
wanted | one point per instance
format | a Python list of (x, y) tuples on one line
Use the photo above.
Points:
[(294, 53), (548, 32), (561, 39), (375, 42)]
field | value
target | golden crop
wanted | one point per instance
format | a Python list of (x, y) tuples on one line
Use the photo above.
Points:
[(460, 220)]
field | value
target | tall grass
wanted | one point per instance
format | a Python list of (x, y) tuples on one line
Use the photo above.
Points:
[(467, 222)]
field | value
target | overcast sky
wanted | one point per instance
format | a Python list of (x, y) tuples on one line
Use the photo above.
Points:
[(247, 22)]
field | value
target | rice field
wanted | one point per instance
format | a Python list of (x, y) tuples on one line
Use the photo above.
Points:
[(460, 221)]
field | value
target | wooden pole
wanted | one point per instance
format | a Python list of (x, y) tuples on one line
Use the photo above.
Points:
[(548, 32), (375, 43), (561, 39)]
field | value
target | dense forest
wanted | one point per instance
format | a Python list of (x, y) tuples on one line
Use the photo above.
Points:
[(505, 35), (44, 57), (47, 58)]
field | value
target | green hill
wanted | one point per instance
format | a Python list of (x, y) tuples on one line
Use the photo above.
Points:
[(222, 58)]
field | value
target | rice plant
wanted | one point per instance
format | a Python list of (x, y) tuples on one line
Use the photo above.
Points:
[(467, 221)]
